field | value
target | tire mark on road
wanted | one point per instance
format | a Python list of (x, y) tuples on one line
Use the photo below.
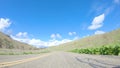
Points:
[(101, 62), (91, 64)]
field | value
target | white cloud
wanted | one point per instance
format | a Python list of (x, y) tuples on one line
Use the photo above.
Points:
[(58, 36), (55, 36), (117, 1), (4, 23), (22, 34), (108, 10), (72, 33), (39, 43), (34, 42), (57, 42), (76, 38), (99, 32), (20, 39), (97, 22)]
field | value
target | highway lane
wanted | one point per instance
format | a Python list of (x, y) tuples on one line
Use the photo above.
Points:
[(71, 60)]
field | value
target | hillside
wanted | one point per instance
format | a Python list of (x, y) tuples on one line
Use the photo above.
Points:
[(110, 38), (8, 43)]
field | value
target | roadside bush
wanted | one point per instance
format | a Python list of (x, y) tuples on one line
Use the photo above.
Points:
[(26, 53), (104, 50)]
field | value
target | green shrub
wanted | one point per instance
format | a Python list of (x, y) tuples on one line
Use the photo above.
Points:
[(104, 50), (11, 53), (27, 53)]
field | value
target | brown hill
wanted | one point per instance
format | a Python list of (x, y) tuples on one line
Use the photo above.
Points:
[(6, 42), (110, 38)]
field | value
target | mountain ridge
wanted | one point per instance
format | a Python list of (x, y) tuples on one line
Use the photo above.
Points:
[(6, 42)]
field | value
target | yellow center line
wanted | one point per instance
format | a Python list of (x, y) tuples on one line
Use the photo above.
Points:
[(4, 64)]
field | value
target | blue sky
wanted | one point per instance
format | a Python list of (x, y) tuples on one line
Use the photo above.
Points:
[(51, 22)]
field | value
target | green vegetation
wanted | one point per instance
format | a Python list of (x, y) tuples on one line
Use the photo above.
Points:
[(8, 46), (103, 50), (21, 52), (88, 45), (95, 41)]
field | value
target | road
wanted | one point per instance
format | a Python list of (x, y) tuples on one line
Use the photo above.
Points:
[(62, 60)]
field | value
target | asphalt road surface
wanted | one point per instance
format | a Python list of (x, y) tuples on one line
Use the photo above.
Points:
[(62, 60)]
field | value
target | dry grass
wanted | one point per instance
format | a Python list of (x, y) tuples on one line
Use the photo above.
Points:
[(109, 38), (21, 52), (8, 43)]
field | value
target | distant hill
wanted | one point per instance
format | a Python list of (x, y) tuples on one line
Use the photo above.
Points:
[(110, 38), (8, 43)]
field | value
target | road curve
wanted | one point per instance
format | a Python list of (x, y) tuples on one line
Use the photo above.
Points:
[(71, 60)]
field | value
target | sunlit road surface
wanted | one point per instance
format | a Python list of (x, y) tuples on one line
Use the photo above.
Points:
[(15, 62), (62, 60)]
